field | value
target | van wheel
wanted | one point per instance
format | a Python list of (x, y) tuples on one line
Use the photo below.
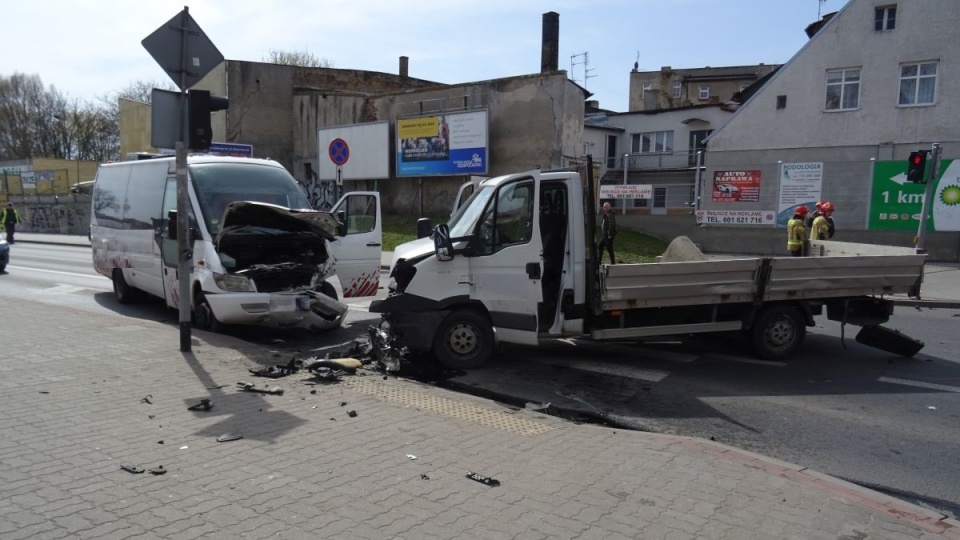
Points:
[(331, 291), (778, 331), (464, 340), (203, 317), (125, 293)]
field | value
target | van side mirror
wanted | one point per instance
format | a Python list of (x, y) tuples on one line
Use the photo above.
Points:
[(341, 223), (172, 224), (442, 244), (424, 227)]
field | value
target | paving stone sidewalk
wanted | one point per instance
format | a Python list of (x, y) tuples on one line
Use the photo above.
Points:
[(82, 394)]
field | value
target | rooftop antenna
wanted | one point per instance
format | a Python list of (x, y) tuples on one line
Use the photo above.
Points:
[(820, 4), (586, 68)]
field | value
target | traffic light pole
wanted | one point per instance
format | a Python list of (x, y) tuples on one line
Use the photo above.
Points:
[(185, 255), (933, 171)]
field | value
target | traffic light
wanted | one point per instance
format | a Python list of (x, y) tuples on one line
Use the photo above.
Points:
[(199, 106), (915, 166)]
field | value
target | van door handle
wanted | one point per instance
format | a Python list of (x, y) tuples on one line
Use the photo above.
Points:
[(533, 270), (373, 244)]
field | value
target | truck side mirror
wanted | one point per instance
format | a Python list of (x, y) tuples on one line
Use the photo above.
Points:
[(442, 244), (424, 227), (341, 223)]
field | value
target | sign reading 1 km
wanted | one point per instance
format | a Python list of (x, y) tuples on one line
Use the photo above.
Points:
[(896, 204), (339, 152)]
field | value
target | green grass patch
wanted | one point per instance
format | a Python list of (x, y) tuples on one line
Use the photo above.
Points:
[(629, 247)]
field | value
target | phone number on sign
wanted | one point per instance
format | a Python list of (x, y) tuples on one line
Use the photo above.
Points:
[(735, 220)]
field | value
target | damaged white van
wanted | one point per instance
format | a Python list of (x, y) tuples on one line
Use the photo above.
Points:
[(260, 255)]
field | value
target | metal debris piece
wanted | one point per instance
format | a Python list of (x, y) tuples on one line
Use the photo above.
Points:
[(343, 403), (411, 456), (159, 442), (483, 479), (227, 437), (131, 468), (204, 405), (277, 371), (352, 414), (147, 399), (158, 470), (250, 387), (424, 477)]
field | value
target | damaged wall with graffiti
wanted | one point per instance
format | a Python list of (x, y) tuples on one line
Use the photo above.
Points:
[(69, 214)]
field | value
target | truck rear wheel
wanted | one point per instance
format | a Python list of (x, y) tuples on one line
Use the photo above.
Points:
[(778, 331), (464, 340)]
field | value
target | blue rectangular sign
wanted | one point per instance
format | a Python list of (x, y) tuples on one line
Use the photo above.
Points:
[(231, 149), (441, 145)]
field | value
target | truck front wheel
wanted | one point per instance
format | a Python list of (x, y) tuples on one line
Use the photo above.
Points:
[(464, 340), (778, 331)]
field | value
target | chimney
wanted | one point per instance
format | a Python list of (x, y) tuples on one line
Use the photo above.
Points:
[(404, 67), (550, 47)]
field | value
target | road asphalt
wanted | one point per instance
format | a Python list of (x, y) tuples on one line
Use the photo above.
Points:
[(369, 457)]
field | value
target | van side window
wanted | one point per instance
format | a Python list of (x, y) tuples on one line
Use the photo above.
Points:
[(508, 219), (108, 196)]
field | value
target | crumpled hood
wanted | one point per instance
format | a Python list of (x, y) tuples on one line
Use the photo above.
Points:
[(270, 216)]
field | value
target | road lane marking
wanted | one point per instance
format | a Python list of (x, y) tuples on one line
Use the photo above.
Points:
[(920, 384), (742, 360), (74, 274), (65, 289), (620, 370)]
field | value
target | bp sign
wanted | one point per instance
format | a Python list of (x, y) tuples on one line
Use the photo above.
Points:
[(896, 204)]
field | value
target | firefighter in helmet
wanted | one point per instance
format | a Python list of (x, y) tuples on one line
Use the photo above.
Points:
[(797, 231)]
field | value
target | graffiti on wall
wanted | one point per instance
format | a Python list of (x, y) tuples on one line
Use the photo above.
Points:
[(322, 193), (56, 217)]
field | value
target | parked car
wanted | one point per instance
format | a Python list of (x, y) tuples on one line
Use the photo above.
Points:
[(727, 188), (4, 255)]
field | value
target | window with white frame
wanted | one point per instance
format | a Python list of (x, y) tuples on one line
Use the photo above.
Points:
[(885, 18), (843, 89), (704, 91), (676, 89), (918, 81), (653, 142), (647, 86)]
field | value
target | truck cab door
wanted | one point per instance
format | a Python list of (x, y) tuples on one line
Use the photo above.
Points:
[(358, 251), (506, 265)]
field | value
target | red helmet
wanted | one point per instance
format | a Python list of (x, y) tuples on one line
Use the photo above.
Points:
[(819, 204), (827, 207), (802, 210)]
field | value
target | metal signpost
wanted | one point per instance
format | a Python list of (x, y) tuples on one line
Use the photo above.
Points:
[(186, 54), (930, 177)]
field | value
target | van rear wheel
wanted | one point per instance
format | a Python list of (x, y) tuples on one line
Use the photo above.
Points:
[(464, 340), (126, 294)]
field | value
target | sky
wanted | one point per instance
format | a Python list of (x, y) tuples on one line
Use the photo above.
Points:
[(87, 49)]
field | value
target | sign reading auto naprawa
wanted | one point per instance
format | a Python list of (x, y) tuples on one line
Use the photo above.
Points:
[(736, 186)]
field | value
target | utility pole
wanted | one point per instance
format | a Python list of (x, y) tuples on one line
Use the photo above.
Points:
[(933, 171)]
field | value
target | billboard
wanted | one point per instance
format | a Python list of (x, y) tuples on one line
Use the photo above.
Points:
[(626, 191), (354, 152), (736, 217), (896, 205), (800, 183), (736, 186), (442, 145)]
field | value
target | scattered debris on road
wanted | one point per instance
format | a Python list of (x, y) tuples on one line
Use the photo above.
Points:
[(411, 456), (227, 437), (250, 387), (158, 470), (352, 414), (204, 405), (148, 399), (131, 468), (483, 479)]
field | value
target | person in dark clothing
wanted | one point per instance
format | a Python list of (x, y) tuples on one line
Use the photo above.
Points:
[(9, 217), (608, 231)]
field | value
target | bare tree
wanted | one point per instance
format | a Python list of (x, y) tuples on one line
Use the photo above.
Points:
[(27, 124), (302, 58)]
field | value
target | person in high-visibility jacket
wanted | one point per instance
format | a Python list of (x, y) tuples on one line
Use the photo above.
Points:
[(822, 227), (797, 231)]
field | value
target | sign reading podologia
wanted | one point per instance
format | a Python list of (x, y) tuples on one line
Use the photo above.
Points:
[(800, 184)]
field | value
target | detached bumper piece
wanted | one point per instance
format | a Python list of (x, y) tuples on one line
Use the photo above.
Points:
[(889, 340)]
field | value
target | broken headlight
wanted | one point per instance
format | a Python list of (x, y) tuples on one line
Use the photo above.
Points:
[(234, 283)]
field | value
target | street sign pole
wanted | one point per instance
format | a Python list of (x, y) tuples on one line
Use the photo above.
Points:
[(933, 171), (183, 203)]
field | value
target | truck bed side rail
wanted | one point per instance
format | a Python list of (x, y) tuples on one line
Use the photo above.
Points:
[(627, 286)]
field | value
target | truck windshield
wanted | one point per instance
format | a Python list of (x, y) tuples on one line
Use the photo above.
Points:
[(219, 184), (465, 219)]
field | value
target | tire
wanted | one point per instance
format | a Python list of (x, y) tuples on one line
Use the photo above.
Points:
[(126, 294), (464, 340), (328, 289), (203, 317), (778, 331)]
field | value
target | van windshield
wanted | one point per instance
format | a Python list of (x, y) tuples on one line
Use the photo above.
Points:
[(219, 184)]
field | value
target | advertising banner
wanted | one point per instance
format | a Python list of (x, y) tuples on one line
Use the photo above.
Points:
[(354, 152), (736, 217), (28, 180), (736, 186), (626, 191), (896, 205), (449, 144), (800, 184)]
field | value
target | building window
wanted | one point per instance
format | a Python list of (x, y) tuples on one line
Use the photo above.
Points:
[(843, 89), (647, 86), (676, 89), (704, 91), (654, 142), (611, 151), (917, 83), (781, 102), (885, 18)]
